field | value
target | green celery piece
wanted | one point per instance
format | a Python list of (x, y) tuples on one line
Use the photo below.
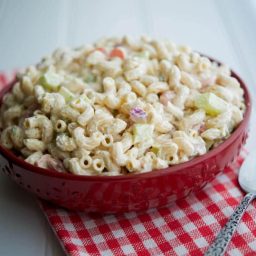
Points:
[(144, 54), (90, 78), (84, 97), (66, 93), (142, 132), (211, 104), (50, 81)]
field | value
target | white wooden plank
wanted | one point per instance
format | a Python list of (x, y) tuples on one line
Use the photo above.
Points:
[(29, 29), (89, 22), (2, 4), (23, 227)]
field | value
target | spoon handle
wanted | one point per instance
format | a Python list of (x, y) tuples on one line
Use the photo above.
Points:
[(221, 242)]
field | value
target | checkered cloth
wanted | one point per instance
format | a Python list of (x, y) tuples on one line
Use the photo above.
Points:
[(185, 228)]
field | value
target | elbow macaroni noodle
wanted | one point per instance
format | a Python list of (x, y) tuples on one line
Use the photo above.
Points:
[(120, 106)]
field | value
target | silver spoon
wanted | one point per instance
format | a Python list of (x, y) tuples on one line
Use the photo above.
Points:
[(247, 180)]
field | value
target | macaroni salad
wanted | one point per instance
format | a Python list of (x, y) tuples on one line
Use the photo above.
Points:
[(120, 106)]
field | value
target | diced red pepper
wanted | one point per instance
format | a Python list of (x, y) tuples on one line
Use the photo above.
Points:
[(117, 52)]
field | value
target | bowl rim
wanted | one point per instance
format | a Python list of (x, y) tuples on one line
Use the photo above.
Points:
[(8, 154)]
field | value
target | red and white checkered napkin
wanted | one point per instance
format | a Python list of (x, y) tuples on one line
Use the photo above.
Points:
[(184, 228)]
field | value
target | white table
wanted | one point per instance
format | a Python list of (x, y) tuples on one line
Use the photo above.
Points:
[(30, 29)]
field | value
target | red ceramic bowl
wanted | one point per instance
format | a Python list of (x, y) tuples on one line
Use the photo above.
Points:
[(126, 193)]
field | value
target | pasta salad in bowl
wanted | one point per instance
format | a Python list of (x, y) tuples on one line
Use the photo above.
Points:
[(121, 116)]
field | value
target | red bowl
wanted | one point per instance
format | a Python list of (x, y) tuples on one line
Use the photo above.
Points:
[(134, 192)]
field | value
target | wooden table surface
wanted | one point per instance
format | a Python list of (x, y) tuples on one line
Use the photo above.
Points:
[(31, 29)]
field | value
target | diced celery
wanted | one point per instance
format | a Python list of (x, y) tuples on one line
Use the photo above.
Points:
[(142, 132), (50, 81), (90, 78), (144, 55), (161, 78), (66, 93), (84, 97), (211, 104)]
